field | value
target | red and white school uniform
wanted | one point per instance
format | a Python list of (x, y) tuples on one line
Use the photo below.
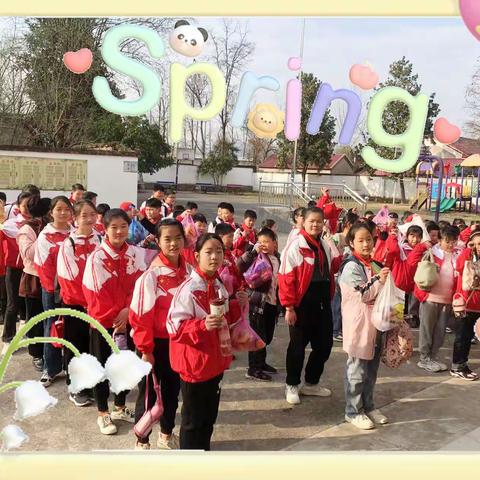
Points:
[(241, 241), (152, 297), (194, 351), (330, 211), (71, 262), (109, 280), (46, 252), (8, 237), (296, 268)]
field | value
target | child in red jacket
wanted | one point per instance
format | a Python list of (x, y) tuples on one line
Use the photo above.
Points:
[(46, 252), (436, 304), (306, 286), (194, 342), (245, 237), (13, 268), (108, 282), (151, 301), (464, 326), (71, 261)]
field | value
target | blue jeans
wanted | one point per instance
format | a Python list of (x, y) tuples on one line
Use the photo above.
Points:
[(359, 383), (52, 357), (337, 311)]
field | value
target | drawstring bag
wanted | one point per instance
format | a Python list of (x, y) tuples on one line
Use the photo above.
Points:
[(398, 346), (259, 273), (56, 331), (389, 307), (427, 272), (190, 229), (471, 276), (136, 232), (243, 337), (151, 416)]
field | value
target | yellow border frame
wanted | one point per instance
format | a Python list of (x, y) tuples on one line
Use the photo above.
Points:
[(231, 8)]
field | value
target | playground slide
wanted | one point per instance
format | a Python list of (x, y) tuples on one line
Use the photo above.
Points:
[(445, 204), (421, 200), (448, 205)]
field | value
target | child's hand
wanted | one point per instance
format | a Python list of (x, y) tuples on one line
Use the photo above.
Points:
[(383, 274), (291, 317), (149, 358), (242, 297), (213, 322), (120, 323), (428, 244)]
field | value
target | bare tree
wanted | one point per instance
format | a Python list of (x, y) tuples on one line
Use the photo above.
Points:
[(472, 97), (232, 51), (258, 149)]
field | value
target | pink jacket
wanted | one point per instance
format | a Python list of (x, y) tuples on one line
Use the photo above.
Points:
[(359, 290), (27, 241)]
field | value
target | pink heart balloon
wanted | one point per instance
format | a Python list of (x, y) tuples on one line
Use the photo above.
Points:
[(470, 12), (79, 61), (363, 76), (445, 132)]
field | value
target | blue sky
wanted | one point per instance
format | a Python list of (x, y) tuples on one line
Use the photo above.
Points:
[(442, 50)]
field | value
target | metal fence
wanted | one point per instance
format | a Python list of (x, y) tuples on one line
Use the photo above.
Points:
[(293, 195)]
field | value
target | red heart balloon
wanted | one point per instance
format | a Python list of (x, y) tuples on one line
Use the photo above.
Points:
[(445, 132), (78, 62)]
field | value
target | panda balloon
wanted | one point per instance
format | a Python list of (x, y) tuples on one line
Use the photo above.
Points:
[(187, 39)]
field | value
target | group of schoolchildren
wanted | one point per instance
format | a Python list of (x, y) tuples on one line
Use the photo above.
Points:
[(156, 297)]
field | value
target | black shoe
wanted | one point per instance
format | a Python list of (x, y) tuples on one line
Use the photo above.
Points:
[(79, 399), (269, 369), (258, 375), (37, 363), (465, 374)]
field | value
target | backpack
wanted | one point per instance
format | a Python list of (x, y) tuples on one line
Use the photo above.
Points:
[(427, 272), (398, 346)]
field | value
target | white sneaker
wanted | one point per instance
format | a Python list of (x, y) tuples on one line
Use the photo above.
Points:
[(377, 417), (292, 394), (441, 366), (171, 443), (141, 446), (315, 390), (107, 427), (429, 365), (124, 414), (360, 421)]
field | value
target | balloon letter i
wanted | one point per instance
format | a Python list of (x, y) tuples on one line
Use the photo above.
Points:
[(293, 109)]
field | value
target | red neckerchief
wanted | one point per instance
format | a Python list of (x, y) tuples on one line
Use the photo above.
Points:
[(211, 293), (180, 271), (316, 244), (367, 263)]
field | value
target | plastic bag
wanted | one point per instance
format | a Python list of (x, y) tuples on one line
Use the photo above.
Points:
[(191, 232), (381, 218), (228, 279), (136, 232), (389, 307), (259, 273), (242, 336)]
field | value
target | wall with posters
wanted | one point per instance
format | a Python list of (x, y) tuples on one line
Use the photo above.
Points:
[(112, 177)]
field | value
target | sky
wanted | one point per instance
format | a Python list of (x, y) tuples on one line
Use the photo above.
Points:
[(442, 50)]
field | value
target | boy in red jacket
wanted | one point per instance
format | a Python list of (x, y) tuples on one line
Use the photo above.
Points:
[(245, 236), (306, 286)]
